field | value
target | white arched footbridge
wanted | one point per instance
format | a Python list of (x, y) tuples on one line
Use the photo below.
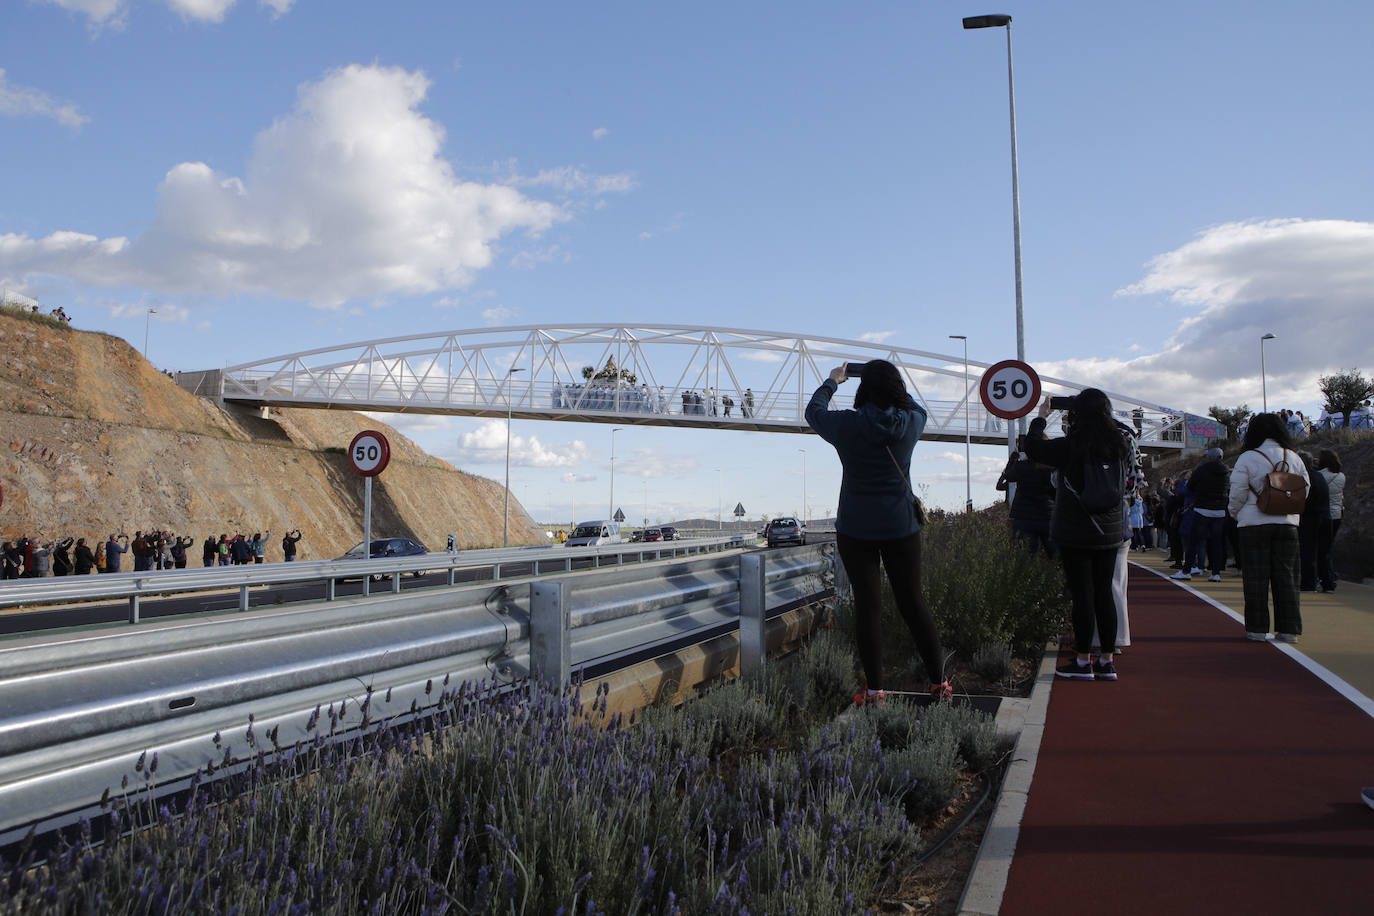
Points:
[(657, 375)]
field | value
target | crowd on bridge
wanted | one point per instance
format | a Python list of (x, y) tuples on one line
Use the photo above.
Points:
[(643, 399), (36, 558)]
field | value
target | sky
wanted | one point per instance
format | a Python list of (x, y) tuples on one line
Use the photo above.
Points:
[(277, 175)]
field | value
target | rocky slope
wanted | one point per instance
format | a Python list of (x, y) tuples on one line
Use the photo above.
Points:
[(94, 440)]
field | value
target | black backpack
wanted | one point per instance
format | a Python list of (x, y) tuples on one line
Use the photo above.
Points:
[(1104, 485)]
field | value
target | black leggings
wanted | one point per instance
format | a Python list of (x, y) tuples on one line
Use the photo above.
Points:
[(902, 559), (1089, 574)]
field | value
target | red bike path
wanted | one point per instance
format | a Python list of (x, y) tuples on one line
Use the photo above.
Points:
[(1216, 776)]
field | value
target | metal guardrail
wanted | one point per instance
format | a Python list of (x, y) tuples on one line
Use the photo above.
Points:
[(157, 703), (137, 586)]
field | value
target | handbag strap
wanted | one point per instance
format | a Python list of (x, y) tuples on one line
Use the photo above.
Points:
[(906, 480)]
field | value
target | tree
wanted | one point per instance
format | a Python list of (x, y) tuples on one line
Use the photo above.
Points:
[(608, 373), (1230, 417), (1344, 391)]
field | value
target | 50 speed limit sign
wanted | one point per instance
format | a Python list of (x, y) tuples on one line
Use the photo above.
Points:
[(369, 453), (1009, 389)]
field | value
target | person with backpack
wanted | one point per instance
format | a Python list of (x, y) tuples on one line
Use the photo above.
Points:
[(208, 551), (1093, 462), (878, 522), (1268, 492)]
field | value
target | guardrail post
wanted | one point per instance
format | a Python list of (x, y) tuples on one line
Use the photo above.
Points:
[(842, 588), (753, 619), (550, 648), (243, 597), (133, 609), (329, 585), (395, 583)]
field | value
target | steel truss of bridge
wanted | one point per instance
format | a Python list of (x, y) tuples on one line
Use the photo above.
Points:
[(652, 375)]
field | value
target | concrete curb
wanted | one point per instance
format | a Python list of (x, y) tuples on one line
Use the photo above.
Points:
[(987, 882)]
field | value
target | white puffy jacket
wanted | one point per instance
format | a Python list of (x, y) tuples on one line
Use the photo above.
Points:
[(1247, 480)]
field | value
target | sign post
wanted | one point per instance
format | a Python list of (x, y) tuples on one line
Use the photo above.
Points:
[(369, 453), (1010, 390)]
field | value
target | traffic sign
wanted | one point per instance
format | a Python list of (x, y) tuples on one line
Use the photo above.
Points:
[(619, 516), (1009, 389), (739, 510), (369, 453)]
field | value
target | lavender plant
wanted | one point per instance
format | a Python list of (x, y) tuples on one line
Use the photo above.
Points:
[(521, 801)]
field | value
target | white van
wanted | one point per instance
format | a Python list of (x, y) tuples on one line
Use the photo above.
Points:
[(594, 534)]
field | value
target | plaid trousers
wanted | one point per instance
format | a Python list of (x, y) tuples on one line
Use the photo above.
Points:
[(1271, 560)]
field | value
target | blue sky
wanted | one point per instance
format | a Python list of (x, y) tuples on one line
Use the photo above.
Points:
[(277, 176)]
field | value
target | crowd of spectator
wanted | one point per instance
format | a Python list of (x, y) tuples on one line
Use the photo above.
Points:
[(34, 558), (643, 399), (1300, 427)]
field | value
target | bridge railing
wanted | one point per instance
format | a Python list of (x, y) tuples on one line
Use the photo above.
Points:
[(159, 703), (136, 587)]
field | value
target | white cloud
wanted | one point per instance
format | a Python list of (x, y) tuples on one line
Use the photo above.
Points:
[(100, 12), (22, 101), (570, 178), (876, 336), (487, 445), (412, 424), (1309, 282), (278, 7), (499, 315), (345, 197), (162, 311), (570, 477), (600, 133), (202, 10)]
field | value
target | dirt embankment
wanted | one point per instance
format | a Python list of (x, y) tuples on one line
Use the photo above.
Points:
[(1353, 550), (94, 440)]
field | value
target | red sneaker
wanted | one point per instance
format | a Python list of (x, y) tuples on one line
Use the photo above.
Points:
[(864, 698)]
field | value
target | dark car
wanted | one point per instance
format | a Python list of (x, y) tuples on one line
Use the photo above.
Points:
[(389, 547), (653, 534), (636, 537), (670, 533), (784, 530)]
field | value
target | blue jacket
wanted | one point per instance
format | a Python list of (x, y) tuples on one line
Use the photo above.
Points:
[(876, 502)]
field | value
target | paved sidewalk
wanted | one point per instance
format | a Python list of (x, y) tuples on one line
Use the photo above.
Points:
[(1217, 776)]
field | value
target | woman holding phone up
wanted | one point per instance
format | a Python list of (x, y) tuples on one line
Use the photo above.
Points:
[(877, 524)]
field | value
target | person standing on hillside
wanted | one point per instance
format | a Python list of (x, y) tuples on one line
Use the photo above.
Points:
[(61, 557), (1268, 543), (113, 550), (42, 560), (222, 550), (207, 551), (11, 561), (1033, 504), (288, 544), (260, 546), (877, 524), (85, 560), (139, 548)]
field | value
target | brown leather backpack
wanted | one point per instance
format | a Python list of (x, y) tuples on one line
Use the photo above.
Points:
[(1284, 492)]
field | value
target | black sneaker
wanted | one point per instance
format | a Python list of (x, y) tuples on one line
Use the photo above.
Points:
[(1104, 670), (1075, 670)]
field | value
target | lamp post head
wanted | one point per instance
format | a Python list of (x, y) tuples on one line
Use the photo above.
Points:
[(1267, 337), (993, 21), (513, 371), (957, 337)]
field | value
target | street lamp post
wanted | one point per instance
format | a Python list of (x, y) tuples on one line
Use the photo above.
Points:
[(1264, 385), (968, 433), (146, 320), (803, 451), (998, 20), (505, 512), (718, 491), (610, 513)]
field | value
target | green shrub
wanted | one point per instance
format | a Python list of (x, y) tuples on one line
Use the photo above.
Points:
[(983, 587), (992, 662)]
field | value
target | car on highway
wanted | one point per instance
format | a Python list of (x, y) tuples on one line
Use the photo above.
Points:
[(784, 530), (388, 547), (653, 534), (670, 533)]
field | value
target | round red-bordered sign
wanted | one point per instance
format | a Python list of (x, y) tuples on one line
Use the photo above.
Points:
[(369, 453), (1009, 389)]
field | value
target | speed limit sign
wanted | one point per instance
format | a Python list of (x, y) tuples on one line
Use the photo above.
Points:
[(369, 453), (1010, 389)]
